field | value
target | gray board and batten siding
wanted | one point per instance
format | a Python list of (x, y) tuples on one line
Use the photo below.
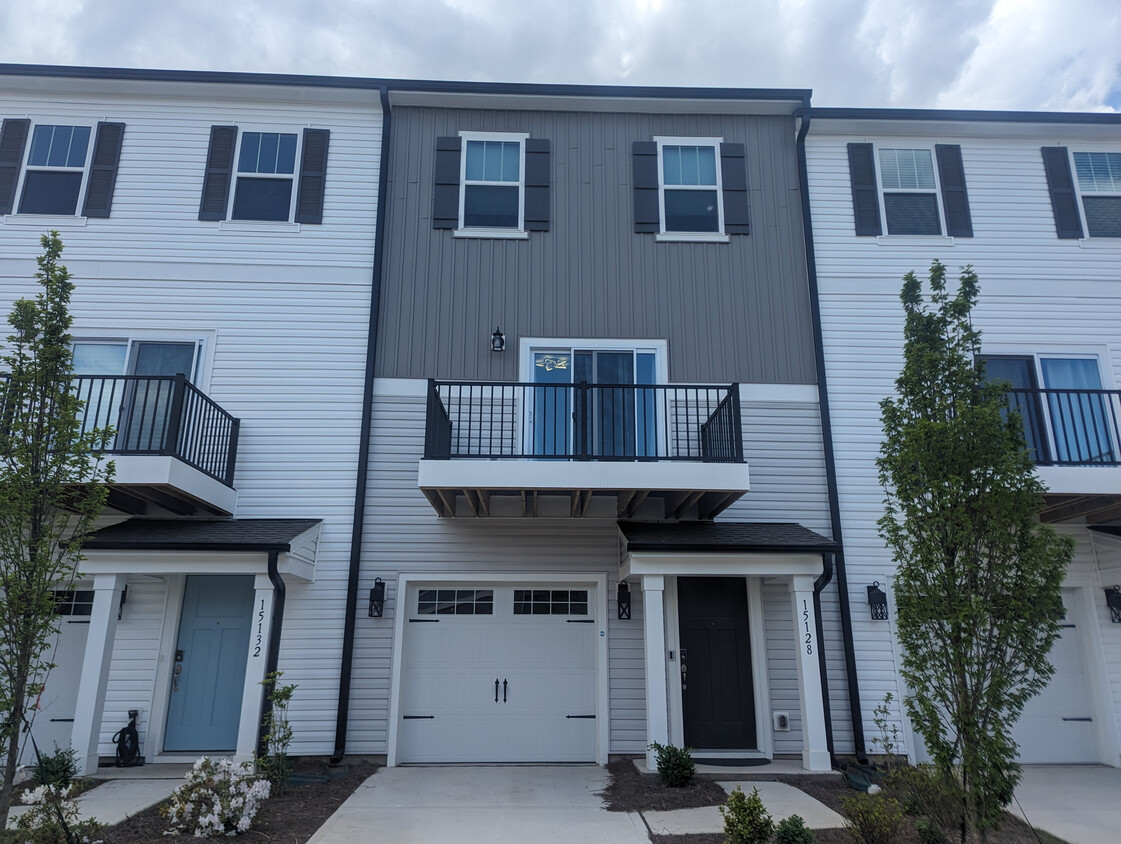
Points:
[(736, 311)]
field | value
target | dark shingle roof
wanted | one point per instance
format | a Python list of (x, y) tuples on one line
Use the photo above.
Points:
[(724, 536), (195, 535)]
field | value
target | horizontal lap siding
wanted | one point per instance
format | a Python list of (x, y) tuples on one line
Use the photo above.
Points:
[(591, 275), (1038, 294), (284, 316)]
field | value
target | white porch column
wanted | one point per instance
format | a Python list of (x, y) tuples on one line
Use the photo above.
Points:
[(657, 700), (815, 751), (95, 669), (252, 695)]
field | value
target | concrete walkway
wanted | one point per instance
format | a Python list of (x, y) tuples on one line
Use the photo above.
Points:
[(1079, 803), (125, 792), (781, 801), (482, 804)]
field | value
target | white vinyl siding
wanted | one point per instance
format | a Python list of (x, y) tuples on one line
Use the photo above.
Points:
[(1039, 295)]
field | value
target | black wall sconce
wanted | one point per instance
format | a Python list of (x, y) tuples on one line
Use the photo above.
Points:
[(121, 605), (877, 601), (377, 598), (1113, 601), (498, 341), (623, 599)]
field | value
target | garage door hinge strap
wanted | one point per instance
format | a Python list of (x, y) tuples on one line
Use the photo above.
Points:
[(424, 621), (579, 716), (580, 621), (1078, 719), (418, 717)]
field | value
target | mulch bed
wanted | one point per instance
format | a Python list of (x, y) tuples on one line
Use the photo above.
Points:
[(630, 791), (292, 818)]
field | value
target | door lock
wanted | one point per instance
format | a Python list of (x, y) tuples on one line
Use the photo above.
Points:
[(684, 668)]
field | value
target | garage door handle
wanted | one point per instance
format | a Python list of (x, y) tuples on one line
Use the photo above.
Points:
[(503, 691), (496, 690)]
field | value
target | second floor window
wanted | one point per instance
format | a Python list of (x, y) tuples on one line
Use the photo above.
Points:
[(690, 188), (910, 191), (56, 167), (492, 184), (266, 166), (1099, 182)]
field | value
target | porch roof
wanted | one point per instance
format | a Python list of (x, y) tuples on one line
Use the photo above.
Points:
[(730, 537), (200, 535)]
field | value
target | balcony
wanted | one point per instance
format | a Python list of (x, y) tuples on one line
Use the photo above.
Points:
[(1073, 437), (173, 446), (572, 450)]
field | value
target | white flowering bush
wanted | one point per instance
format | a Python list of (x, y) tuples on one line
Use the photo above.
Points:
[(218, 798), (53, 817)]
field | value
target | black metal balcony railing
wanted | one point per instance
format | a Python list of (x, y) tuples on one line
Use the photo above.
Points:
[(1070, 427), (621, 422), (166, 415)]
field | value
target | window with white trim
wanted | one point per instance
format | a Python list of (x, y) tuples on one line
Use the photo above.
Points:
[(1099, 183), (266, 168), (55, 171), (910, 191), (689, 186), (493, 195)]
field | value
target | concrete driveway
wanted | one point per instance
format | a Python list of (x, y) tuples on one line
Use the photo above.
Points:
[(482, 804), (1079, 803)]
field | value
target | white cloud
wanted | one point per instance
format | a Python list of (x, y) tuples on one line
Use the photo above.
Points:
[(1011, 54)]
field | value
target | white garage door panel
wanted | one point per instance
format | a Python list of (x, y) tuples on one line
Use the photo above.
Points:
[(1056, 726), (544, 666)]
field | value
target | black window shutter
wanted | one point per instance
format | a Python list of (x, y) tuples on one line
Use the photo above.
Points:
[(955, 198), (445, 197), (313, 176), (865, 194), (103, 169), (733, 177), (1056, 163), (537, 179), (13, 137), (645, 158), (219, 173)]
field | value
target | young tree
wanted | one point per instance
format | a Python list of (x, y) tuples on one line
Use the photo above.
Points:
[(978, 585), (52, 487)]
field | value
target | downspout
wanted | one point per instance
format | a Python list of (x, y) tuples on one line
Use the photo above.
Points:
[(350, 614), (272, 656), (819, 585), (830, 459)]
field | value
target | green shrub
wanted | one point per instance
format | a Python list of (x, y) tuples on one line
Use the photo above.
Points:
[(873, 818), (925, 793), (929, 832), (793, 830), (56, 769), (675, 765), (746, 819)]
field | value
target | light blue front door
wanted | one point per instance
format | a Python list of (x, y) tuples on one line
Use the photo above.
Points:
[(209, 669)]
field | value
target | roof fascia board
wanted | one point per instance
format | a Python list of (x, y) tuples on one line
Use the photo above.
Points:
[(981, 124)]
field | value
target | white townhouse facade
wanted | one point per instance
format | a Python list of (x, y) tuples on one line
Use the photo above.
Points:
[(220, 229), (1033, 203)]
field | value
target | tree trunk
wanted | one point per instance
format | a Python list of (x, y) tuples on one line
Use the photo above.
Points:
[(15, 719)]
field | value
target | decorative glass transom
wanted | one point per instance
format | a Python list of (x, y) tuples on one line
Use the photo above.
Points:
[(455, 602), (550, 602)]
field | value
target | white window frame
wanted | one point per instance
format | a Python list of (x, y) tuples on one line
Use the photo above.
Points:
[(203, 341), (1071, 152), (26, 167), (237, 175), (883, 191), (481, 231), (667, 140)]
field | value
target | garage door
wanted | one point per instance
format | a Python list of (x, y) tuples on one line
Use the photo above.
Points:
[(498, 673), (1057, 726), (54, 721)]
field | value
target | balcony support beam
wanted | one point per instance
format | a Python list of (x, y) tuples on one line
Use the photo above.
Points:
[(472, 502)]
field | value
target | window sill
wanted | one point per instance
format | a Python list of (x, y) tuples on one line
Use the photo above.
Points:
[(1099, 242), (498, 234), (915, 240), (51, 221), (685, 237), (258, 226)]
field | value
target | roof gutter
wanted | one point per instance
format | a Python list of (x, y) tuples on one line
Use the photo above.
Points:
[(355, 571), (830, 471)]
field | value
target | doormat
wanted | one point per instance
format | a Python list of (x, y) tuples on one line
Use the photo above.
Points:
[(733, 763)]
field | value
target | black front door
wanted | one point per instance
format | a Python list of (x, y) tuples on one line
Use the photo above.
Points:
[(717, 697)]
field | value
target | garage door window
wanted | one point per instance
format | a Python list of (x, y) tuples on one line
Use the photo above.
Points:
[(456, 602), (550, 602), (73, 602)]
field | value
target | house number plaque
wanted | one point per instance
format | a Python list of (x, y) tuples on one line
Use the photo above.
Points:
[(260, 627), (806, 623)]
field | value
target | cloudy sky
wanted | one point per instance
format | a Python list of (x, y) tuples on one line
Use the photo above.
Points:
[(1007, 54)]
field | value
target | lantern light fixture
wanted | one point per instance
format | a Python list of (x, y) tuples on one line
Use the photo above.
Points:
[(1113, 601), (377, 598), (498, 341), (623, 600), (877, 601)]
